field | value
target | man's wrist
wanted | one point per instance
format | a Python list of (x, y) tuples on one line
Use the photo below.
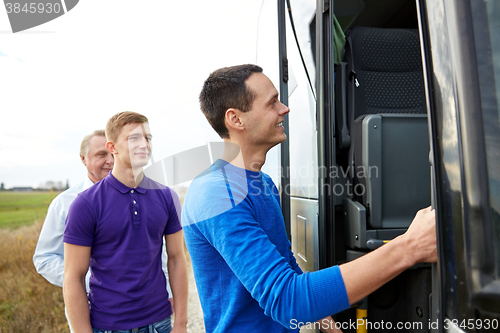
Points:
[(404, 246), (182, 322)]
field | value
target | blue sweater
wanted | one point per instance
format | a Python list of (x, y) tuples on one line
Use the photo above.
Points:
[(246, 275)]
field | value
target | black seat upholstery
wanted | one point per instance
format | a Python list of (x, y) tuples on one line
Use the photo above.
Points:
[(388, 68), (381, 73)]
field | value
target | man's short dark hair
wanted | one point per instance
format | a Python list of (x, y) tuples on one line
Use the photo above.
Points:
[(225, 88)]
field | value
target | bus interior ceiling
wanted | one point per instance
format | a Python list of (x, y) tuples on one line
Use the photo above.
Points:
[(376, 13)]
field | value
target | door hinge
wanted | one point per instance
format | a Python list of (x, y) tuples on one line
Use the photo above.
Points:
[(285, 70), (326, 6)]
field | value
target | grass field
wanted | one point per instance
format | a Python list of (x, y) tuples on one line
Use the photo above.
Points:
[(28, 303), (22, 208)]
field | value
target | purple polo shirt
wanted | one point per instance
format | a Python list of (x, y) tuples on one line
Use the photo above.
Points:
[(124, 226)]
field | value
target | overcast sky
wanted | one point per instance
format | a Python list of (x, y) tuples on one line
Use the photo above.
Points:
[(66, 78)]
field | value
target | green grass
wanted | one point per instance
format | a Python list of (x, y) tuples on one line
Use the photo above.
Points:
[(23, 208)]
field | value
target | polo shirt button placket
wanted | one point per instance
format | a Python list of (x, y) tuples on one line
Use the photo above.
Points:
[(135, 208)]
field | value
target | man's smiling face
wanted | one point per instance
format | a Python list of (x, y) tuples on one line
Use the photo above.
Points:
[(264, 121)]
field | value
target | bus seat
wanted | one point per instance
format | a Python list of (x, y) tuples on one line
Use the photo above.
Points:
[(382, 124), (391, 159), (381, 73)]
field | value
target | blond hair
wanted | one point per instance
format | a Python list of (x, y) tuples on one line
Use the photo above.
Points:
[(116, 123)]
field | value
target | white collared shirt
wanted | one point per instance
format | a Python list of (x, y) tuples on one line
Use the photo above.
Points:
[(49, 252)]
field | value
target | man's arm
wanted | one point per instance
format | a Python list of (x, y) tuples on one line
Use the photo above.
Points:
[(76, 265), (177, 271), (368, 273), (49, 253), (164, 267)]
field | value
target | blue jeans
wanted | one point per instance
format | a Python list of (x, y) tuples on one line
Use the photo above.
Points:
[(164, 326)]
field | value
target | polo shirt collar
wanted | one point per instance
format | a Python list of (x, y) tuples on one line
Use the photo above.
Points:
[(124, 188)]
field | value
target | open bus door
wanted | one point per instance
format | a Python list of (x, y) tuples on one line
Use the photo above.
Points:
[(462, 66), (358, 162)]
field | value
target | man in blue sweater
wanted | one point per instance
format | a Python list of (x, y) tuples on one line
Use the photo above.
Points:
[(247, 277)]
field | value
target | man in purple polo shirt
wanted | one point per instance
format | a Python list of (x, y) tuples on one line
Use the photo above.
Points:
[(117, 226)]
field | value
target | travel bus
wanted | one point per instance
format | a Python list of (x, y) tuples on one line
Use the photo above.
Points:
[(395, 106)]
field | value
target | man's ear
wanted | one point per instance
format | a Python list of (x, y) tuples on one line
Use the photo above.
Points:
[(84, 160), (233, 119), (111, 147)]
